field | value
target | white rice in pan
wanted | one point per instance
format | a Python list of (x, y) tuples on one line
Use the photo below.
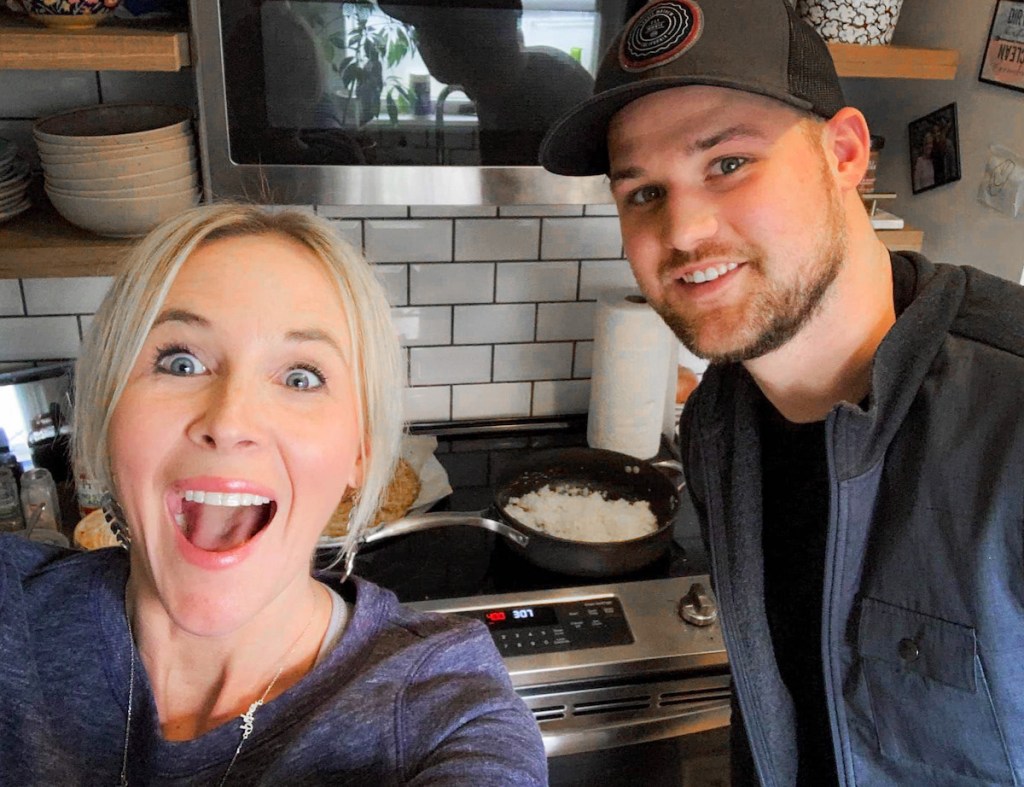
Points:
[(580, 514)]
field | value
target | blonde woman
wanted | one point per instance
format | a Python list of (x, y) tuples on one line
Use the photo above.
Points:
[(240, 377)]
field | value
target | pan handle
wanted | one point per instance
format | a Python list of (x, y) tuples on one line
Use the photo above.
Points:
[(428, 521), (677, 467)]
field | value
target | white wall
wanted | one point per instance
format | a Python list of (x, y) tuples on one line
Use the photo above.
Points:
[(957, 227)]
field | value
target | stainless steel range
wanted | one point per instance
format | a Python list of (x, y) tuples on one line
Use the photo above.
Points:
[(620, 673)]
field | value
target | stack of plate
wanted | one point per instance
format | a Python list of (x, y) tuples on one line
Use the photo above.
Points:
[(119, 169), (13, 181)]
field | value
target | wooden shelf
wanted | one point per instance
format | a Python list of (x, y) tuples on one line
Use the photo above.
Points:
[(894, 62), (125, 45), (906, 239), (41, 244), (114, 45)]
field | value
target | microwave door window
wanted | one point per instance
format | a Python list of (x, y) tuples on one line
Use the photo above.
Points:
[(406, 83)]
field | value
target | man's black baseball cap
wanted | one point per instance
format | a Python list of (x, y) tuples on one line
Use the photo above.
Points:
[(758, 46)]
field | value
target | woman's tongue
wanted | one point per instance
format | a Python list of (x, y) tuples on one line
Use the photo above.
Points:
[(220, 528)]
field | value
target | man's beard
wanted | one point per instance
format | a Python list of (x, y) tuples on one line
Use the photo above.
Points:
[(776, 312)]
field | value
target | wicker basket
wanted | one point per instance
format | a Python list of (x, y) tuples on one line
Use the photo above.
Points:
[(869, 22)]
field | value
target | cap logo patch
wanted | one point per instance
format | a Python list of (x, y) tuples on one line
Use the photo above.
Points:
[(660, 32)]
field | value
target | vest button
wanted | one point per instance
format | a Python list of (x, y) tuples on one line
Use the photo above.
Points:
[(908, 649)]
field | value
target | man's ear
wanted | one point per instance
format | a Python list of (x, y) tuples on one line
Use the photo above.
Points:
[(848, 141)]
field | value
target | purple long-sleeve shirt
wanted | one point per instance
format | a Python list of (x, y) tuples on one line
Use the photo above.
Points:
[(403, 698)]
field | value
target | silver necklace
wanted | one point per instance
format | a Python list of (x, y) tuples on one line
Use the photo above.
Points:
[(248, 718)]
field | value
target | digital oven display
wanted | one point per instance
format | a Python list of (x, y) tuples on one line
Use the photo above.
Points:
[(519, 617), (546, 628)]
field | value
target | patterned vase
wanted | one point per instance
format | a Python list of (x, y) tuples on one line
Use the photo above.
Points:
[(869, 22)]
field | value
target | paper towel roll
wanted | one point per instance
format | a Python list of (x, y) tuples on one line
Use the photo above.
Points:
[(634, 354)]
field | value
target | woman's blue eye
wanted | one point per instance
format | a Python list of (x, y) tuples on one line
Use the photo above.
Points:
[(303, 379), (180, 363)]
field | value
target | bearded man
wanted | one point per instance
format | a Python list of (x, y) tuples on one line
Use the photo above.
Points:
[(856, 449)]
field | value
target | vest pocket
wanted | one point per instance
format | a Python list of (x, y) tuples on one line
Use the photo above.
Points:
[(929, 697)]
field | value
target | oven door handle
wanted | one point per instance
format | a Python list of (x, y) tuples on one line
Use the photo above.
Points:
[(589, 736), (419, 522)]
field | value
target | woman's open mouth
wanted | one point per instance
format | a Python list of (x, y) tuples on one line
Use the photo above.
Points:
[(222, 521)]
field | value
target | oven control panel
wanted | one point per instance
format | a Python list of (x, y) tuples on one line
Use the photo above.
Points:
[(527, 629)]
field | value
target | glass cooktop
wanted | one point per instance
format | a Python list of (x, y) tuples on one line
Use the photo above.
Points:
[(465, 561)]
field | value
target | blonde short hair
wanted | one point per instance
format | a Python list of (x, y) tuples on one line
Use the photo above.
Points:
[(126, 316)]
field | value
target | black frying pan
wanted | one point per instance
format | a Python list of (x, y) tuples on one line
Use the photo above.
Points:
[(617, 475)]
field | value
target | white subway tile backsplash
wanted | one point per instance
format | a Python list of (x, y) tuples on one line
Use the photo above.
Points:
[(495, 323), (598, 275), (582, 360), (565, 321), (604, 209), (81, 295), (541, 210), (499, 400), (451, 282), (395, 279), (558, 397), (38, 338), (452, 211), (537, 281), (419, 325), (363, 211), (450, 365), (497, 239), (581, 238), (171, 87), (10, 299), (351, 231), (532, 361), (33, 94), (413, 240), (432, 403)]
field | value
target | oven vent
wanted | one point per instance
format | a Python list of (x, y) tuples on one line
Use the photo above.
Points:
[(613, 705), (549, 713), (693, 696)]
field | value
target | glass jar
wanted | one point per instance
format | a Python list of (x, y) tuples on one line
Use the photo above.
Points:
[(39, 500)]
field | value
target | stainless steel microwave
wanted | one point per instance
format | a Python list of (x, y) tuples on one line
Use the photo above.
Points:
[(394, 102)]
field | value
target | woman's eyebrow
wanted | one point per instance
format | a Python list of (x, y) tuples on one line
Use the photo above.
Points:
[(181, 315), (316, 335)]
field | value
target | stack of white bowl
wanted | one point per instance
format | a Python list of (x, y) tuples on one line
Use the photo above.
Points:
[(119, 169)]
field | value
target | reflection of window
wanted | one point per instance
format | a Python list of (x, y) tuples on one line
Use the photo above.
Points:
[(570, 26)]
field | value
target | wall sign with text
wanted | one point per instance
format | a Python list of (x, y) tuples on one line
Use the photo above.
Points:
[(1003, 63)]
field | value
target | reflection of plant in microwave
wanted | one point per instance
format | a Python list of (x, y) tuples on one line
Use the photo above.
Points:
[(362, 45)]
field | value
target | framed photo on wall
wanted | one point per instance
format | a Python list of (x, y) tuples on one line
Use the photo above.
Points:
[(934, 149), (1003, 62)]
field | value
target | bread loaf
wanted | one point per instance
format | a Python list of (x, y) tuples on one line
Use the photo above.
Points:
[(398, 499)]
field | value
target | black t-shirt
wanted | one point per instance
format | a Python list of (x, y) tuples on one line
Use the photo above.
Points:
[(794, 475)]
